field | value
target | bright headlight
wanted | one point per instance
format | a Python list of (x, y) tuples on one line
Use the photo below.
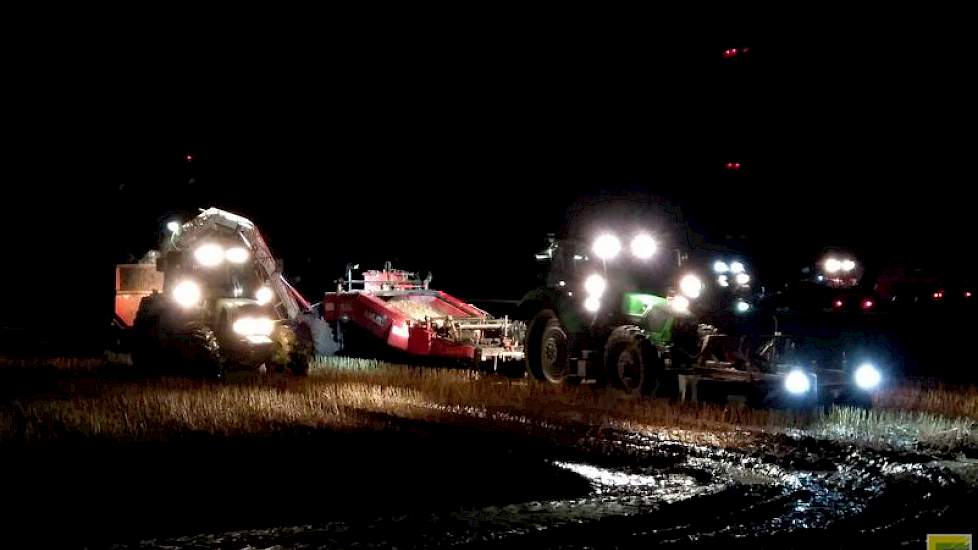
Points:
[(832, 265), (592, 304), (797, 382), (187, 293), (743, 307), (595, 285), (237, 255), (742, 279), (847, 265), (253, 326), (209, 255), (679, 304), (720, 267), (736, 267), (607, 246), (691, 286), (643, 246), (867, 376), (264, 295)]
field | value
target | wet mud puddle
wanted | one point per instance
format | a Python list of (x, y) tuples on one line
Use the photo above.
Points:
[(796, 494)]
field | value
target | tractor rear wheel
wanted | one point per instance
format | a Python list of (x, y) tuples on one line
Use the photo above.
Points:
[(546, 348), (631, 364)]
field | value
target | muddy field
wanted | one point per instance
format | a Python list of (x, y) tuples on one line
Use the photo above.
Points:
[(100, 458)]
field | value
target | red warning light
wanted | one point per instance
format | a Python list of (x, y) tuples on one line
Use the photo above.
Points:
[(837, 303), (939, 294), (733, 166), (867, 304), (732, 52), (189, 157), (967, 294)]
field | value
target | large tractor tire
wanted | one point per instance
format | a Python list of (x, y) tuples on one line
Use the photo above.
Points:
[(303, 351), (296, 348), (201, 352), (631, 364), (547, 348)]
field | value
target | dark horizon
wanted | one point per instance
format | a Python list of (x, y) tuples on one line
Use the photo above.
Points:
[(460, 161)]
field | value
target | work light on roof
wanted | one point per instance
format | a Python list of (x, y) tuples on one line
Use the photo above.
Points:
[(607, 246), (236, 255), (209, 255), (643, 246)]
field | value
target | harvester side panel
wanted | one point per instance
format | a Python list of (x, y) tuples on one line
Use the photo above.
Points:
[(369, 313), (400, 327)]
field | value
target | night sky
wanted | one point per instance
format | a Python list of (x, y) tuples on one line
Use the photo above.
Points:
[(457, 151)]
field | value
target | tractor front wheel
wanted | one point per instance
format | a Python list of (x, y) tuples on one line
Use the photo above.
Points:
[(631, 363), (546, 348), (202, 352), (295, 348)]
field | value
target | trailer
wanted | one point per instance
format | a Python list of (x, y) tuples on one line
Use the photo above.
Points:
[(394, 311)]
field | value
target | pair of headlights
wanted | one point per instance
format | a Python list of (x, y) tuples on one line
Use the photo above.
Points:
[(866, 377), (594, 287), (608, 246), (690, 286), (253, 326), (211, 255), (187, 293)]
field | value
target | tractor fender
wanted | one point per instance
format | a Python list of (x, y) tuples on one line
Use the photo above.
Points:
[(536, 301)]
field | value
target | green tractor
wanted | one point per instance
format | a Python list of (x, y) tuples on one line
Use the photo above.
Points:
[(608, 314)]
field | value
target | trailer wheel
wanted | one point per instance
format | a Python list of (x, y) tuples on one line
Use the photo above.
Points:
[(631, 364), (202, 351), (546, 348)]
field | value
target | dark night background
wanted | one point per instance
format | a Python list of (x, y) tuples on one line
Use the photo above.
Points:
[(456, 151)]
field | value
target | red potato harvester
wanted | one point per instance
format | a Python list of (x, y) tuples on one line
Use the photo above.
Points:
[(394, 308)]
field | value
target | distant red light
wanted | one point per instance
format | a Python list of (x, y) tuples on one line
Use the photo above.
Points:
[(733, 166), (938, 295), (729, 53), (867, 304), (967, 294), (837, 303), (190, 157)]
